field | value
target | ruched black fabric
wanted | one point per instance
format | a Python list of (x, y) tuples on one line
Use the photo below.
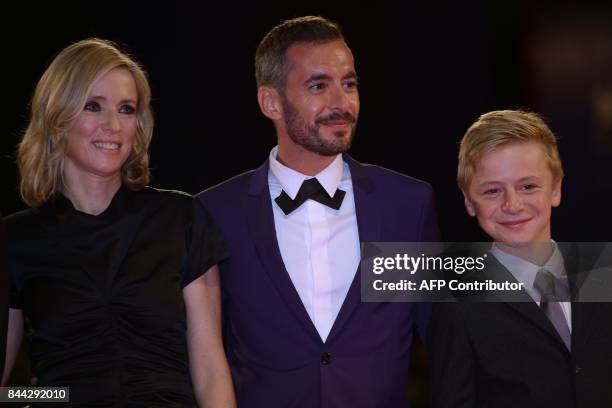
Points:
[(103, 295)]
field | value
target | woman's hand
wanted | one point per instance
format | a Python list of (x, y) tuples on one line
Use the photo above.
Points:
[(210, 372), (13, 342)]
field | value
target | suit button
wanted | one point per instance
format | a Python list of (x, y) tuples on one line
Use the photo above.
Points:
[(578, 369), (325, 358)]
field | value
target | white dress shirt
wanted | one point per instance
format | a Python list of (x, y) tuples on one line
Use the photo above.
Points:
[(525, 271), (319, 245)]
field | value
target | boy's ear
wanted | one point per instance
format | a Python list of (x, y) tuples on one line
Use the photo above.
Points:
[(270, 102), (556, 193), (468, 205)]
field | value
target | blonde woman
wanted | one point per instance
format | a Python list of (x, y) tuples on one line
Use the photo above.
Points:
[(121, 300)]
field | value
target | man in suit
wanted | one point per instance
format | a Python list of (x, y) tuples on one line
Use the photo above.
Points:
[(540, 349), (297, 333)]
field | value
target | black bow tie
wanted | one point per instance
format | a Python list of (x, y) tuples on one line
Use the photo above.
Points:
[(310, 189)]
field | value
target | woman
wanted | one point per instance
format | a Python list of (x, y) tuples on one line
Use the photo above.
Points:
[(106, 270)]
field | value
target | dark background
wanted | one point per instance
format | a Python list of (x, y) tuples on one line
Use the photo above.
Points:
[(426, 73)]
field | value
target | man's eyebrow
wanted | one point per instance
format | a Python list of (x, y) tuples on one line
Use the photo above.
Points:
[(326, 77), (318, 77), (351, 75)]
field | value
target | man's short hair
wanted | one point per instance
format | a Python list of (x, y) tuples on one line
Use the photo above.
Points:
[(271, 63), (503, 127)]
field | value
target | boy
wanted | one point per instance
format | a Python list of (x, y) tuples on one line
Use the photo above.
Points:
[(545, 351)]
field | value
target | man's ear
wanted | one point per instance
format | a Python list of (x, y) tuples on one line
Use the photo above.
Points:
[(556, 193), (468, 205), (270, 102)]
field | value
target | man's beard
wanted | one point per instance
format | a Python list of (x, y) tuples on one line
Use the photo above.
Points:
[(309, 137)]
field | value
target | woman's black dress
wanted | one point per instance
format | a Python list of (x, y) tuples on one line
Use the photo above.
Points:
[(103, 294)]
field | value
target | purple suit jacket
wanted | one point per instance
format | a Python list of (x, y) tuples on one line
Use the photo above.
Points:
[(276, 356)]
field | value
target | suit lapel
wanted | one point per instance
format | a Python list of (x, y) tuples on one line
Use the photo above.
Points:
[(260, 219), (579, 260), (525, 306), (531, 311), (369, 225), (584, 314)]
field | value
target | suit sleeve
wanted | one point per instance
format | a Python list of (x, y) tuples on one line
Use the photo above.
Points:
[(451, 358), (428, 232)]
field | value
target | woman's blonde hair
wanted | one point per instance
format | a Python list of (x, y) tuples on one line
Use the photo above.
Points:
[(499, 128), (59, 97)]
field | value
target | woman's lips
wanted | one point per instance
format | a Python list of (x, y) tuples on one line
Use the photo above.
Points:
[(107, 146)]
